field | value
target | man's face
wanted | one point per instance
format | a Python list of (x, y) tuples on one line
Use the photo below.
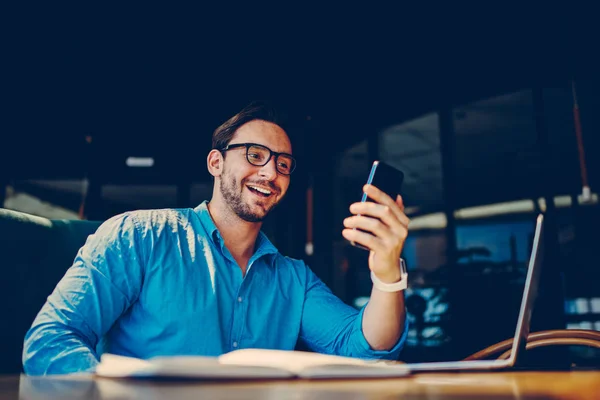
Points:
[(252, 191)]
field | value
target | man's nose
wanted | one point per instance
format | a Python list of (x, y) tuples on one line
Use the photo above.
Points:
[(269, 170)]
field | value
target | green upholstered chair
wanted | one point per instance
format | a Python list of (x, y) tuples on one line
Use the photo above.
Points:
[(35, 253)]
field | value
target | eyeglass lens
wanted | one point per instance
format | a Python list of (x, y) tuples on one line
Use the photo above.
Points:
[(259, 156)]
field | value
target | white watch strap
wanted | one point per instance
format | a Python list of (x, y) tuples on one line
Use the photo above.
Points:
[(392, 287)]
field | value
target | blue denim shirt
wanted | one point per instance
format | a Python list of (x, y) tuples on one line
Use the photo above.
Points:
[(161, 282)]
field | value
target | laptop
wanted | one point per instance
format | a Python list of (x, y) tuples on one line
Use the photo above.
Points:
[(523, 322)]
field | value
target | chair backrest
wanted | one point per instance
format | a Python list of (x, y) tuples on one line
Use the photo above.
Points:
[(35, 253)]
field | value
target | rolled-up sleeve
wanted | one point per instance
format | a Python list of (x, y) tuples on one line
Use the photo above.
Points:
[(104, 280), (333, 327)]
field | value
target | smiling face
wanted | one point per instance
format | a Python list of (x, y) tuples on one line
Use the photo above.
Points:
[(250, 191)]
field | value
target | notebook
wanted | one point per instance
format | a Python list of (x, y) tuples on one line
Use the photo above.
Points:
[(249, 364), (523, 322)]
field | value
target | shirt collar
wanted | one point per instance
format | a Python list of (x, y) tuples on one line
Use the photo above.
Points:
[(206, 220), (263, 244)]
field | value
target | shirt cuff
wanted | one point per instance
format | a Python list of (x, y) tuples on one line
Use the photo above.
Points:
[(364, 350)]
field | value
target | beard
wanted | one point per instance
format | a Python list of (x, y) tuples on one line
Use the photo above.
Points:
[(232, 190)]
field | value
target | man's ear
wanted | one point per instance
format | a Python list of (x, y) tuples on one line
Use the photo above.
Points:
[(214, 162)]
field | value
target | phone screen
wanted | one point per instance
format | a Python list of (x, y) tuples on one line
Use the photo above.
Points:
[(386, 178)]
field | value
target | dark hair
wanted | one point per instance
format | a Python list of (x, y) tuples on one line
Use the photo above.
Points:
[(253, 111)]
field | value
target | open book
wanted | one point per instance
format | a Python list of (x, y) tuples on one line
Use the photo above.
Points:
[(249, 364)]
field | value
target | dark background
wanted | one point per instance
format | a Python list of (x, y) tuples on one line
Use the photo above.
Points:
[(134, 75)]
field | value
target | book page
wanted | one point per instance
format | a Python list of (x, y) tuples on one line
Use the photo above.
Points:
[(114, 366), (248, 364), (306, 364)]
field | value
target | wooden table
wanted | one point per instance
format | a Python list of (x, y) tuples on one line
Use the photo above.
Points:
[(505, 385)]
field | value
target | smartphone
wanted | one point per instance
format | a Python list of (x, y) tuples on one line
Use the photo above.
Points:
[(385, 178)]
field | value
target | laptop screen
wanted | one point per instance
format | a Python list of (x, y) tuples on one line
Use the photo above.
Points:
[(529, 293)]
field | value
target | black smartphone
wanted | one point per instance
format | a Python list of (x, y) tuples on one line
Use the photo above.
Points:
[(385, 178)]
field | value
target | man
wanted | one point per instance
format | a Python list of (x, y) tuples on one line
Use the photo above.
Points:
[(207, 281)]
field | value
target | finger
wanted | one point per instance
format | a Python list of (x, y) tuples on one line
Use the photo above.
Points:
[(400, 203), (388, 237), (391, 216), (378, 195), (373, 225), (404, 218), (383, 198), (384, 213), (366, 239)]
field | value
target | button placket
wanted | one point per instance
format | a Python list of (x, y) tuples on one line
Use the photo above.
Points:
[(239, 316)]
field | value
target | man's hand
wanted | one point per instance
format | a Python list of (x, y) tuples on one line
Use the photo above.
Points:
[(388, 227)]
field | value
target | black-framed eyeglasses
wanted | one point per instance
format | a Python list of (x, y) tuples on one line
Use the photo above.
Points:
[(260, 155)]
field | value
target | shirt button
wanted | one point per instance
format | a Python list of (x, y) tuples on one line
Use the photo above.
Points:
[(239, 299), (235, 344)]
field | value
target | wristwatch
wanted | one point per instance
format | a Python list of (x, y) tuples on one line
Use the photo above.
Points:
[(392, 287)]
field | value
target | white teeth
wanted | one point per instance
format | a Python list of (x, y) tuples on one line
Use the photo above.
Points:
[(264, 191)]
